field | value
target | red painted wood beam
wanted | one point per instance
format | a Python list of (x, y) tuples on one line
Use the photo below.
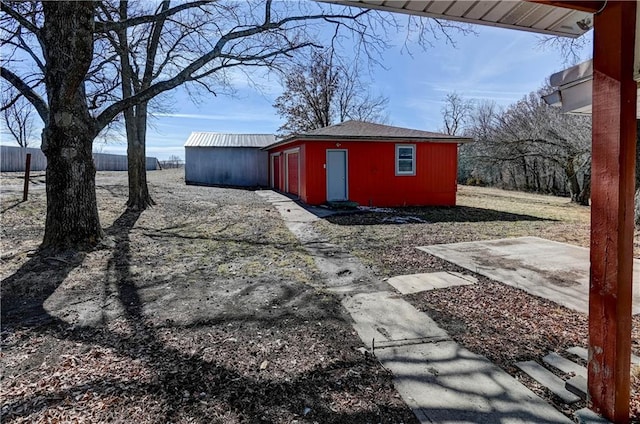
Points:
[(590, 6), (613, 179)]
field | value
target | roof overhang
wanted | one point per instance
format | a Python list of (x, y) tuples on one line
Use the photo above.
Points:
[(573, 92), (338, 138), (515, 14)]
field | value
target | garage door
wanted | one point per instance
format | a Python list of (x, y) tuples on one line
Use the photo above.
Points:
[(276, 168), (293, 173)]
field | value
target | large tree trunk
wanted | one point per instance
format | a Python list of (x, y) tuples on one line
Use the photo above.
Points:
[(139, 197), (578, 195), (72, 212), (135, 117), (574, 185), (585, 194)]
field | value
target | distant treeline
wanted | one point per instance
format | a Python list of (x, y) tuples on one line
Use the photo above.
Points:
[(528, 146), (173, 162)]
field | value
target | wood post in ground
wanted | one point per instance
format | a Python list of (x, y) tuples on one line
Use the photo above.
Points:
[(27, 172)]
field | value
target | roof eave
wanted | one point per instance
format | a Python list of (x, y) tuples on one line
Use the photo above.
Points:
[(456, 140), (403, 7)]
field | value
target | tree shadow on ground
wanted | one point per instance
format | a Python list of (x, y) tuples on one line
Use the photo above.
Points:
[(428, 215), (11, 206), (23, 299), (186, 386)]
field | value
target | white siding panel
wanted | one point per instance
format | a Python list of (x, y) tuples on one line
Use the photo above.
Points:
[(552, 17), (439, 7), (480, 9), (417, 5), (460, 8)]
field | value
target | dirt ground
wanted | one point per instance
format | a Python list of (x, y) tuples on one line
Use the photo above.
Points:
[(196, 310), (202, 308)]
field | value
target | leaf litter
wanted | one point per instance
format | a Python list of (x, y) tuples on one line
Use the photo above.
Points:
[(199, 311)]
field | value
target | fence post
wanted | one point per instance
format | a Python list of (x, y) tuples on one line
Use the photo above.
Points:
[(27, 172)]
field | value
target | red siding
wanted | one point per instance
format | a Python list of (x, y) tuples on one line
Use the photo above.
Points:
[(371, 173)]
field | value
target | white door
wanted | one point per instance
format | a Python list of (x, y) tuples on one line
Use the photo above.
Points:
[(336, 175)]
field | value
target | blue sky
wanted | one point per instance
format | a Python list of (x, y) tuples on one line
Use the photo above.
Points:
[(496, 64)]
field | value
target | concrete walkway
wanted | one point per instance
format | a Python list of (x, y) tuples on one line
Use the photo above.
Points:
[(441, 381), (552, 270)]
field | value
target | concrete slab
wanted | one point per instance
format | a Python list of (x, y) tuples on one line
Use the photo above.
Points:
[(548, 379), (587, 416), (555, 271), (580, 352), (565, 365), (343, 273), (578, 386), (444, 383), (583, 353), (288, 208), (415, 283), (384, 319), (440, 381)]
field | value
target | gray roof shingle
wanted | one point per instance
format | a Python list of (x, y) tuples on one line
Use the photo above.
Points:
[(358, 130), (368, 129)]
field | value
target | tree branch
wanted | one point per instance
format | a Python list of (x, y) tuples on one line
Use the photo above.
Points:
[(38, 103), (21, 20), (138, 20)]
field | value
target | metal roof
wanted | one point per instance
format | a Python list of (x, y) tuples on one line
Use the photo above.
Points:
[(515, 14), (212, 139), (367, 131)]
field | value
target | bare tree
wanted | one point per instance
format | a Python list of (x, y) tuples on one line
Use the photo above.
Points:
[(321, 91), (480, 126), (17, 114), (62, 48), (174, 161), (456, 112), (72, 76), (570, 49), (532, 146)]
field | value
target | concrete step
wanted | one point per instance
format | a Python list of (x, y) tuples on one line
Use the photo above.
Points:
[(584, 354), (415, 283), (564, 364), (578, 386), (548, 379), (580, 352)]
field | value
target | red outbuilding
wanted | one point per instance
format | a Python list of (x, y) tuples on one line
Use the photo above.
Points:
[(370, 164)]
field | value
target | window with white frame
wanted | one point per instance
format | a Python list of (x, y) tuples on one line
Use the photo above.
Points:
[(405, 159)]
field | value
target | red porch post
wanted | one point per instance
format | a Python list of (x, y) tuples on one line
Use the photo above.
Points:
[(613, 170)]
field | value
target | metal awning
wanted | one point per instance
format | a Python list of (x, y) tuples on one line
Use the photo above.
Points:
[(514, 14), (573, 92)]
